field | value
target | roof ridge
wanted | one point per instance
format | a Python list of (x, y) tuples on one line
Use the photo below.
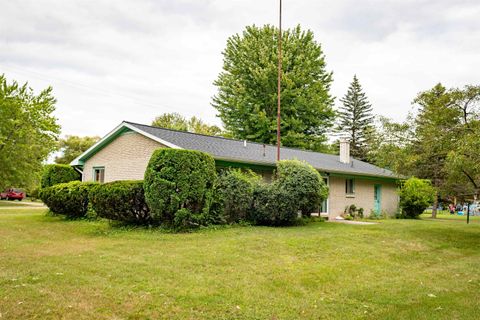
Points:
[(232, 139)]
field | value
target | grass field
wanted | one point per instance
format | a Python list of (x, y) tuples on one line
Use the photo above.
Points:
[(398, 269), (445, 215), (24, 203)]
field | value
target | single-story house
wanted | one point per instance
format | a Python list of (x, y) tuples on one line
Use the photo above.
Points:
[(123, 154)]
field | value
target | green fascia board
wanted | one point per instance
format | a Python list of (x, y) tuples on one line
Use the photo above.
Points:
[(363, 177), (103, 144)]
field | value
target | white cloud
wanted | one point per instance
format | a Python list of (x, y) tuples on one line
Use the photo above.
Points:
[(110, 61)]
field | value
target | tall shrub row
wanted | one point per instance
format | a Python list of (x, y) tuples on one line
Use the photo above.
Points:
[(182, 190), (121, 201), (70, 199)]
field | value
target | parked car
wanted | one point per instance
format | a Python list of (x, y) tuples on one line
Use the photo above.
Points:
[(13, 194)]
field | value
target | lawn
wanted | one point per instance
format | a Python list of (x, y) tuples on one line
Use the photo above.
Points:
[(24, 203), (397, 269), (441, 215)]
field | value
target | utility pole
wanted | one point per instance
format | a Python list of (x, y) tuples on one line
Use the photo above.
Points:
[(279, 76)]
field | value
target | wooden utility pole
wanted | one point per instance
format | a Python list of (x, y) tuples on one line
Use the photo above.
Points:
[(279, 78)]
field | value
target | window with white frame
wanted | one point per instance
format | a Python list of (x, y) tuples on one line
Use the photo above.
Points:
[(99, 174)]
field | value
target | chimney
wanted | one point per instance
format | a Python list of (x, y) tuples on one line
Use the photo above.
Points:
[(344, 151)]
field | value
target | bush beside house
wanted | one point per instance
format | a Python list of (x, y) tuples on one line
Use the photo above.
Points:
[(415, 196), (122, 201), (181, 190), (177, 183), (70, 199), (303, 182), (58, 173), (273, 206), (297, 188), (234, 192)]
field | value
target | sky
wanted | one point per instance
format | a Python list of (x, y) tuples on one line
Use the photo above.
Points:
[(109, 61)]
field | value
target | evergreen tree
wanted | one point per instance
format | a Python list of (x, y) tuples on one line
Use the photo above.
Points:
[(355, 119)]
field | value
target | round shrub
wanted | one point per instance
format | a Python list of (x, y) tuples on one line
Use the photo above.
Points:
[(235, 193), (272, 206), (303, 182), (121, 201), (178, 179), (70, 199), (415, 196), (58, 173)]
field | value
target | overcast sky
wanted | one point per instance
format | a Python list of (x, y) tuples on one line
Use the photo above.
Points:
[(110, 61)]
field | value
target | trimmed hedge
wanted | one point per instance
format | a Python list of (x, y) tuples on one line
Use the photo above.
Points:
[(415, 196), (301, 180), (272, 206), (234, 190), (297, 188), (178, 179), (121, 201), (70, 199), (58, 173)]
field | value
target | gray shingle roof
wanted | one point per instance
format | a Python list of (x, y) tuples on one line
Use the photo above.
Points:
[(235, 151)]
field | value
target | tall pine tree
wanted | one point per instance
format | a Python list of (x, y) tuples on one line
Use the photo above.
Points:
[(355, 119)]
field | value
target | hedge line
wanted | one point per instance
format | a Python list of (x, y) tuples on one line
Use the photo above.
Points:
[(70, 199), (181, 190)]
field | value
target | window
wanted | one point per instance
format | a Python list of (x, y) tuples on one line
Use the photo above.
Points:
[(350, 186), (324, 204), (99, 174)]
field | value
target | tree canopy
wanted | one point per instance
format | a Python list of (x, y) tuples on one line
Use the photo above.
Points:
[(73, 146), (176, 121), (28, 132), (439, 143), (247, 88)]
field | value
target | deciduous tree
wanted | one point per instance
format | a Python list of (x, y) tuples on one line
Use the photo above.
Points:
[(247, 88), (73, 146), (176, 121), (28, 132)]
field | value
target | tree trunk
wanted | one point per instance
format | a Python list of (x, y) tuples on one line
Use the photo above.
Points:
[(435, 205)]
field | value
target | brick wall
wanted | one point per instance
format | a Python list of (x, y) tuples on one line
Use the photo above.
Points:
[(363, 197), (125, 158)]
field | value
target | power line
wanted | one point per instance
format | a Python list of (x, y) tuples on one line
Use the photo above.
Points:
[(79, 85)]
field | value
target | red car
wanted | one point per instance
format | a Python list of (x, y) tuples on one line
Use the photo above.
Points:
[(12, 194)]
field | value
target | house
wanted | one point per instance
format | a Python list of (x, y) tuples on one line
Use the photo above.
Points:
[(123, 154)]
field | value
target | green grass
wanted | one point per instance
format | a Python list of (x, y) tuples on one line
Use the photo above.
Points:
[(398, 269), (445, 215)]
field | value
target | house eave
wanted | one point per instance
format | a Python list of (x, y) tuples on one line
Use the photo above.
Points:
[(117, 131)]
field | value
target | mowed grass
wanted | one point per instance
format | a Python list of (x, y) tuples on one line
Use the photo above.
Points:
[(51, 268), (445, 215), (9, 203)]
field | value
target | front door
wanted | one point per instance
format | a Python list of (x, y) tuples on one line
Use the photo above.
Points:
[(377, 196)]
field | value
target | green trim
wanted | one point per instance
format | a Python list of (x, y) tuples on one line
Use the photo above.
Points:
[(103, 144), (354, 176)]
